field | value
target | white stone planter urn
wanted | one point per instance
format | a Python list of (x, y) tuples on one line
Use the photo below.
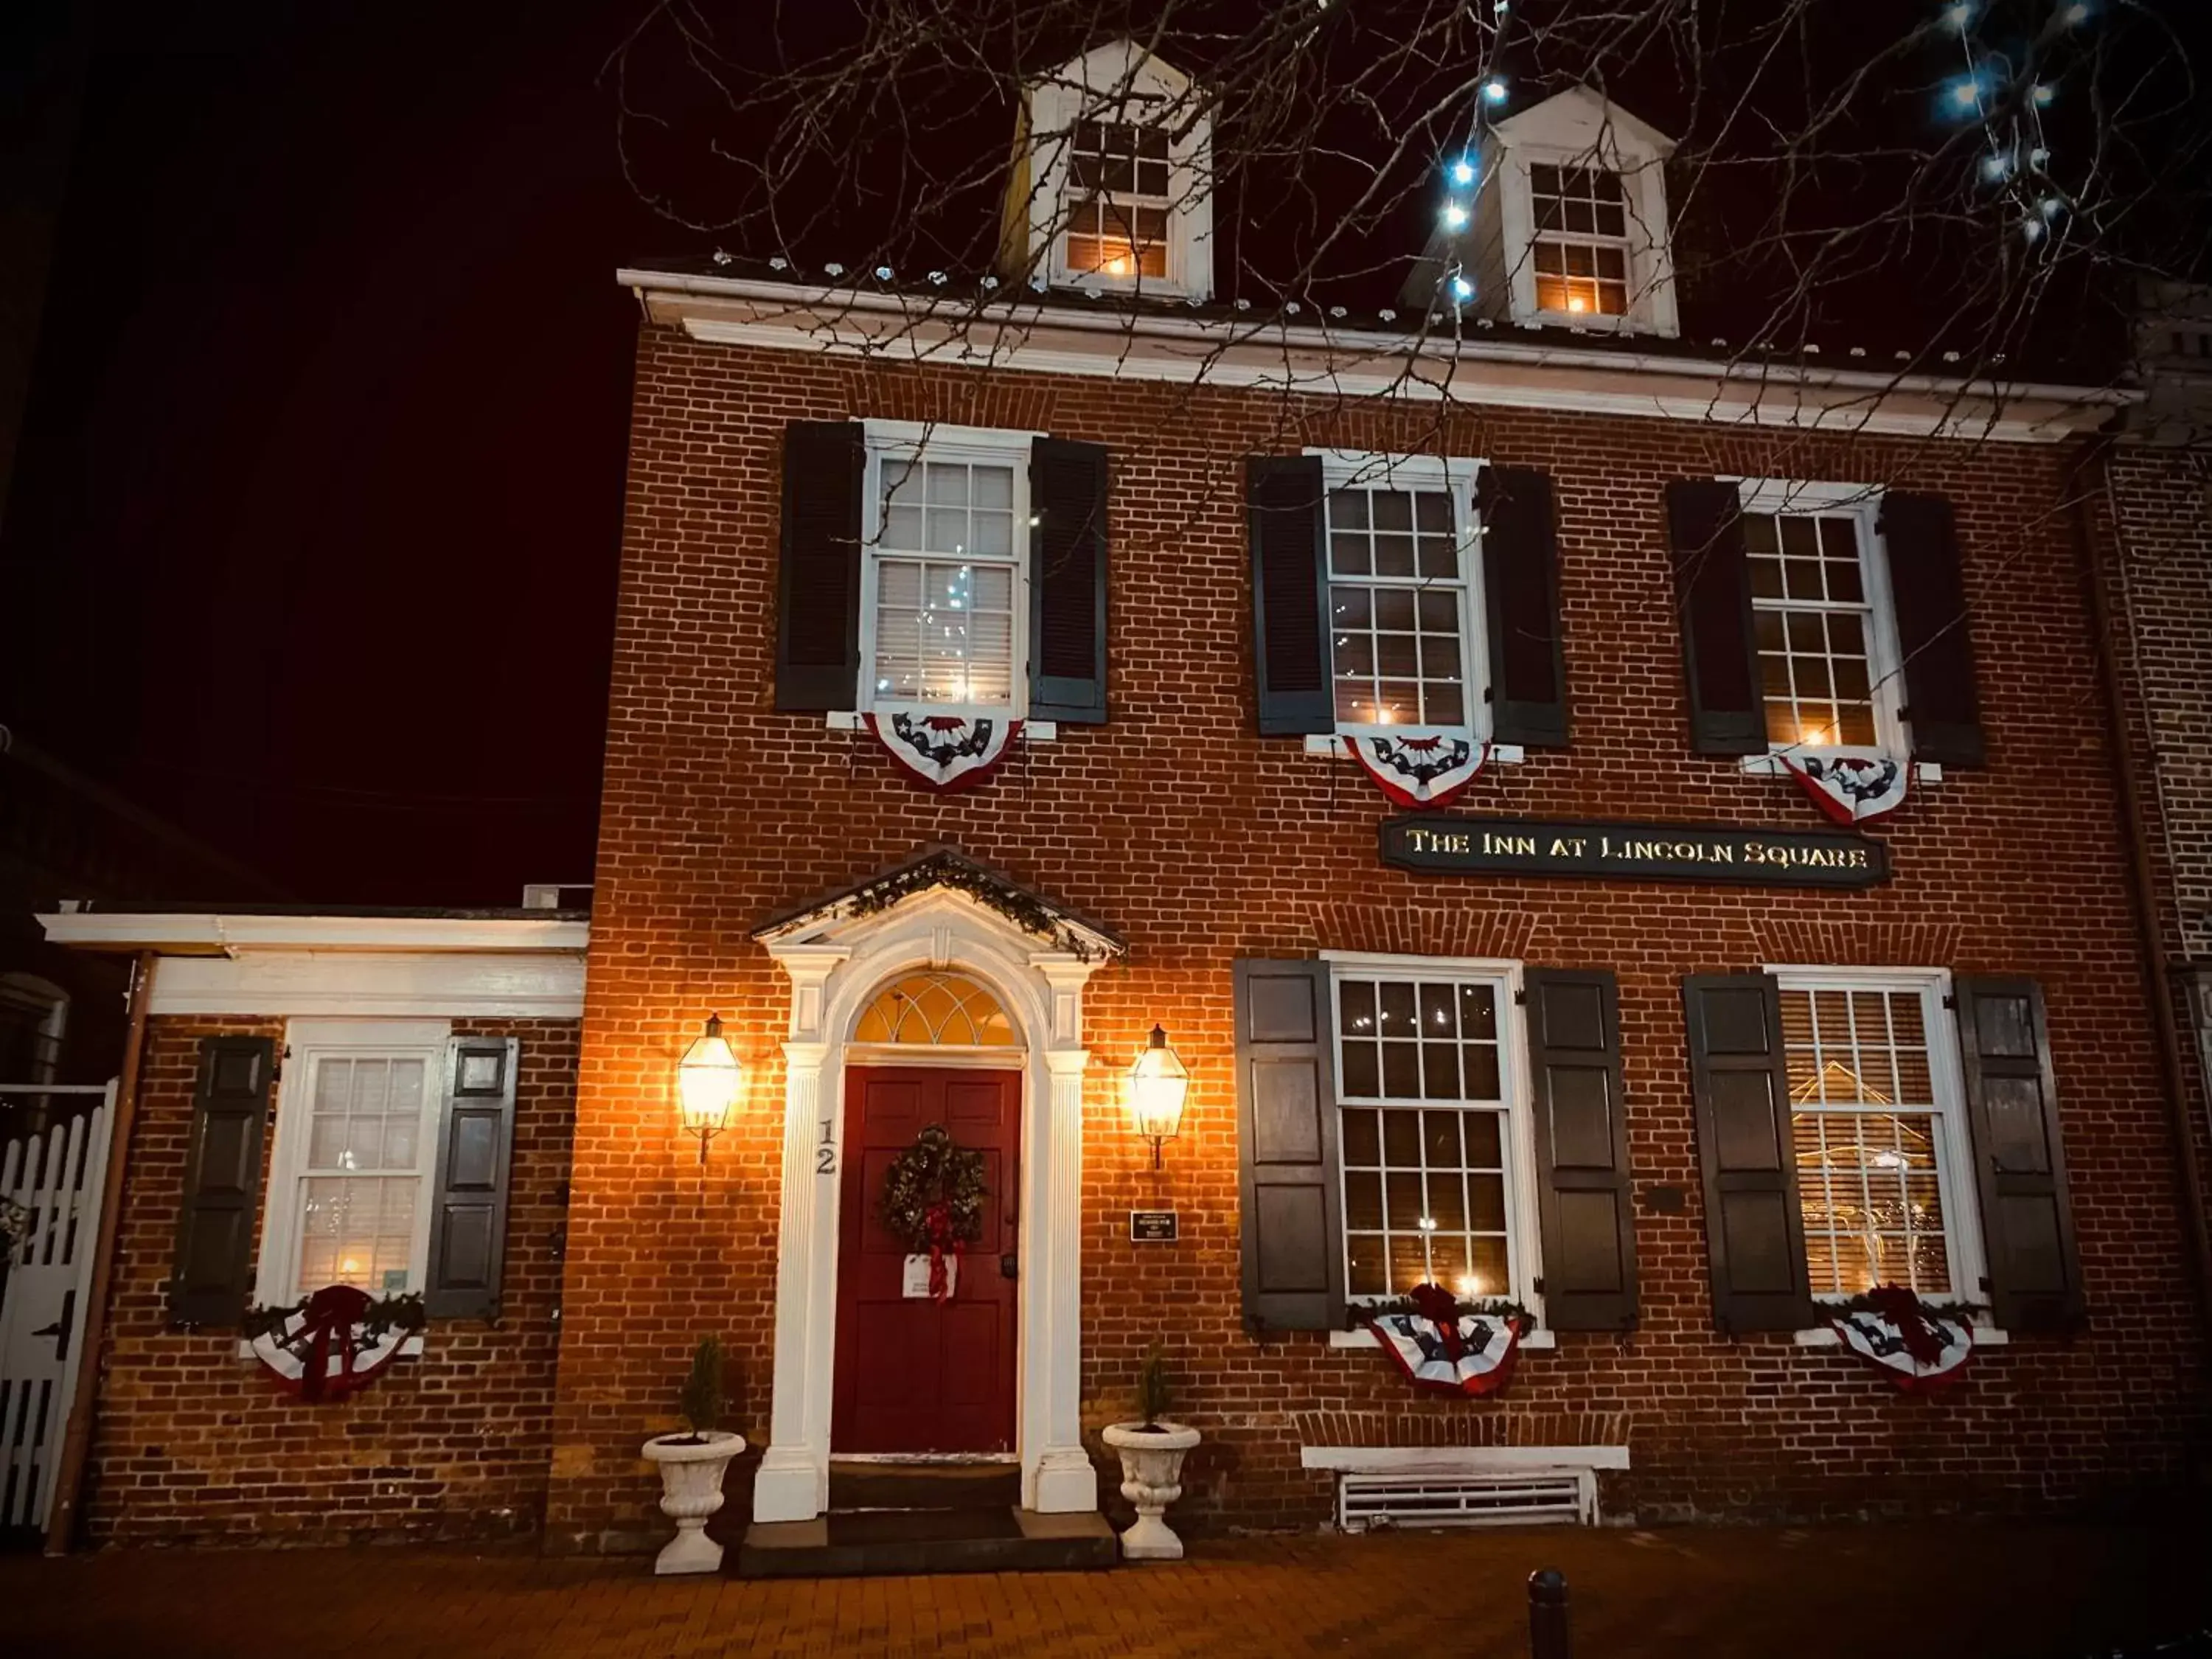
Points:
[(1152, 1479), (691, 1470)]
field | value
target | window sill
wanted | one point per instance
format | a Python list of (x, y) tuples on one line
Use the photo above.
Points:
[(1770, 766), (1985, 1336), (1539, 1338), (847, 720), (410, 1348), (1325, 743)]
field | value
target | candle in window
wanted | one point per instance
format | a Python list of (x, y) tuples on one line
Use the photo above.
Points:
[(1575, 302), (1469, 1286)]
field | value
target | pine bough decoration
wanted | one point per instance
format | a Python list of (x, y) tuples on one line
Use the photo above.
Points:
[(1918, 1345), (1445, 1346), (333, 1343)]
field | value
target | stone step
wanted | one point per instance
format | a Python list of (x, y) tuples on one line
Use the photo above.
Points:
[(902, 1542), (856, 1486)]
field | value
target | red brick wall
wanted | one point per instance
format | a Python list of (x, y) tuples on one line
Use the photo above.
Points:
[(1199, 841), (193, 1444)]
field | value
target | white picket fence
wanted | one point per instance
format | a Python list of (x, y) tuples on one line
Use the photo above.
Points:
[(54, 1180)]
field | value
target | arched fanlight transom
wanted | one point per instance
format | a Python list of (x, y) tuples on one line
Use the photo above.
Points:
[(936, 1010)]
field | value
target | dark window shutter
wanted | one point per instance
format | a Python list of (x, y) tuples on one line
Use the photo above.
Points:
[(1754, 1230), (1712, 599), (1582, 1151), (1520, 595), (1284, 498), (209, 1279), (476, 1146), (1287, 1144), (818, 622), (1941, 705), (2020, 1165), (1068, 583)]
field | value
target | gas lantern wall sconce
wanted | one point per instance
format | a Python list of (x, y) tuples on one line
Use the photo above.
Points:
[(708, 1080), (1158, 1083)]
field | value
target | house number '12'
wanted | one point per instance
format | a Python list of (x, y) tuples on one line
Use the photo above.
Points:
[(825, 1155)]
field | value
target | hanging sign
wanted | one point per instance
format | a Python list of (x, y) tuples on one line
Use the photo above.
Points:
[(1155, 1226), (1634, 852)]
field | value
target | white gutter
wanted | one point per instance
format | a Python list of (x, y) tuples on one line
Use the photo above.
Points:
[(217, 934), (1365, 343)]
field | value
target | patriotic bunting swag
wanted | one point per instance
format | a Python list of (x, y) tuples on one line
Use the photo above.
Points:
[(332, 1343), (932, 1200), (944, 750), (1917, 1346), (1439, 1347), (1851, 785), (1421, 768)]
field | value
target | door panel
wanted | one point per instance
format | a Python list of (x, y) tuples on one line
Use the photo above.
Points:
[(914, 1374)]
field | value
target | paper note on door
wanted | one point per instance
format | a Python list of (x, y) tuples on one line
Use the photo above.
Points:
[(916, 1282)]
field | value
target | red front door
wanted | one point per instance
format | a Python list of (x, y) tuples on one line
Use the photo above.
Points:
[(914, 1374)]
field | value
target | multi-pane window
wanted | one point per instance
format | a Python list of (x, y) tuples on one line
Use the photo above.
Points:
[(1814, 624), (1397, 606), (1424, 1135), (1118, 206), (1581, 249), (945, 562), (363, 1178), (1869, 1131)]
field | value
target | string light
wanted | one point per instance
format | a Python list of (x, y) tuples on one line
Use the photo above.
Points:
[(1461, 288), (1959, 14), (1455, 216), (1462, 172), (1996, 167), (1494, 90), (2043, 92)]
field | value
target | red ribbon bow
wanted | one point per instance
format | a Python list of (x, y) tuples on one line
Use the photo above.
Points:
[(938, 1219)]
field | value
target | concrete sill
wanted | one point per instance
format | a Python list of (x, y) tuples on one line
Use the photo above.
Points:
[(1539, 1338)]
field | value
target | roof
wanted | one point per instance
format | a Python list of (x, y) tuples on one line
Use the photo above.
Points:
[(935, 868), (177, 930)]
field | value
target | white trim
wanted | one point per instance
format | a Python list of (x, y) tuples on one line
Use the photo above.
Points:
[(913, 442), (1022, 333), (216, 933), (1465, 1460), (1364, 1338), (1647, 245), (397, 983), (1954, 1163), (837, 964), (304, 1040)]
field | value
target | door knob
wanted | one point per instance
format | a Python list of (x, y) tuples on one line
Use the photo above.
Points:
[(1009, 1265)]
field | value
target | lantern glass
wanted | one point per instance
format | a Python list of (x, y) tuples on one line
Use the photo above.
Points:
[(1158, 1083), (706, 1081)]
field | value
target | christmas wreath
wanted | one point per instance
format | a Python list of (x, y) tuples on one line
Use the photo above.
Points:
[(932, 1200)]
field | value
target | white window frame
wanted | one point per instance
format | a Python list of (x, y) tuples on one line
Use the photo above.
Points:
[(1456, 476), (304, 1040), (1120, 82), (909, 441), (1954, 1163), (1862, 502), (1651, 307), (1524, 1244)]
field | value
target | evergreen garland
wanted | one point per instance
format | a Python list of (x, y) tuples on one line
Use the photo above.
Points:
[(934, 1172), (1876, 1303), (402, 1312), (949, 870), (1359, 1315)]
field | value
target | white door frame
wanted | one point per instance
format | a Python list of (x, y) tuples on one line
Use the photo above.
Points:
[(836, 968)]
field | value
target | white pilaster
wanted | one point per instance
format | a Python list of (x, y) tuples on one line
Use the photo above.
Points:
[(1059, 1475)]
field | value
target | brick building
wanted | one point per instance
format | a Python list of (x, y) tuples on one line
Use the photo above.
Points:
[(1608, 830)]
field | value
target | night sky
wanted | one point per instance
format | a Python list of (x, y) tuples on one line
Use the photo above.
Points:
[(312, 537), (313, 541)]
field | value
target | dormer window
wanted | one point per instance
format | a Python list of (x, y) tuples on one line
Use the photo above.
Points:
[(1582, 249), (1559, 218), (1112, 185), (1118, 224)]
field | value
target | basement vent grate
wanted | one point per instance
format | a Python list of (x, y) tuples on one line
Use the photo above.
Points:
[(1455, 1498)]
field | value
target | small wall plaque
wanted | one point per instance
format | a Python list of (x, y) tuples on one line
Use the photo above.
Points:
[(1154, 1226), (915, 1282)]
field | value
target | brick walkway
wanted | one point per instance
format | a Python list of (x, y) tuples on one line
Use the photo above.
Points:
[(1960, 1588)]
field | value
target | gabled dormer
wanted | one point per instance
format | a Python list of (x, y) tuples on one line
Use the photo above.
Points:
[(1559, 216), (1112, 183)]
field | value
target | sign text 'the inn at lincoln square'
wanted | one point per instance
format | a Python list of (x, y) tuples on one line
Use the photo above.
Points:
[(1634, 852)]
